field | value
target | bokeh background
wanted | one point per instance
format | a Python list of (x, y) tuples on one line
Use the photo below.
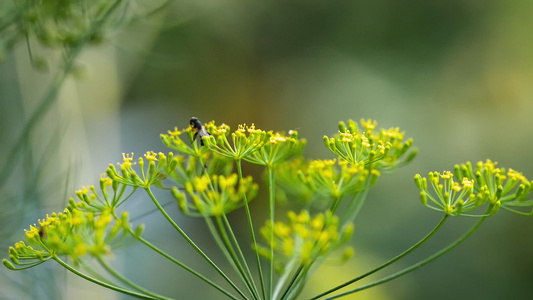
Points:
[(457, 76)]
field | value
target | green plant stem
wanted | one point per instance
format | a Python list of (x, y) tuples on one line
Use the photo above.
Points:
[(355, 206), (177, 262), (281, 281), (271, 201), (239, 250), (188, 239), (391, 261), (219, 242), (252, 234), (295, 279), (224, 248), (415, 266), (83, 264), (234, 257), (101, 283), (125, 280)]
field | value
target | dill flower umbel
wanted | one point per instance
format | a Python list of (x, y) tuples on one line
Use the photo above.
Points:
[(304, 238), (215, 195), (278, 148), (159, 166), (384, 150), (174, 141), (73, 233), (327, 177), (244, 141), (466, 189)]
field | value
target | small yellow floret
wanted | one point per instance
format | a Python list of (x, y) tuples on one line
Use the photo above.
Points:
[(80, 250), (201, 183), (446, 175), (127, 158), (175, 133), (151, 156), (469, 184)]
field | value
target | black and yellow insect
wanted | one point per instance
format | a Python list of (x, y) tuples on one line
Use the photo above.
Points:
[(200, 130)]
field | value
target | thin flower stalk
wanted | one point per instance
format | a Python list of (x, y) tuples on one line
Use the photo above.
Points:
[(101, 283), (190, 241), (128, 282), (415, 266), (386, 264), (137, 235), (244, 271)]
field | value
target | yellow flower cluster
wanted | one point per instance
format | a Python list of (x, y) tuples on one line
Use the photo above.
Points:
[(279, 148), (384, 150), (158, 168), (452, 197), (304, 237), (215, 195), (507, 188), (487, 184), (74, 233), (252, 144), (174, 141), (336, 180), (322, 183), (244, 141), (291, 186)]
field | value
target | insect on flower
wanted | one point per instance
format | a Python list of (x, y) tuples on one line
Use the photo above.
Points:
[(42, 233), (200, 130)]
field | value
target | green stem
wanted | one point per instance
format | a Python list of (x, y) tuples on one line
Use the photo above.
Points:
[(218, 241), (119, 276), (101, 283), (271, 214), (294, 279), (188, 239), (87, 267), (239, 250), (415, 266), (391, 261), (354, 207), (335, 204), (252, 234), (177, 262), (234, 257), (281, 281)]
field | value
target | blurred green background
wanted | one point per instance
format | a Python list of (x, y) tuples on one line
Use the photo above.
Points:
[(455, 75)]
